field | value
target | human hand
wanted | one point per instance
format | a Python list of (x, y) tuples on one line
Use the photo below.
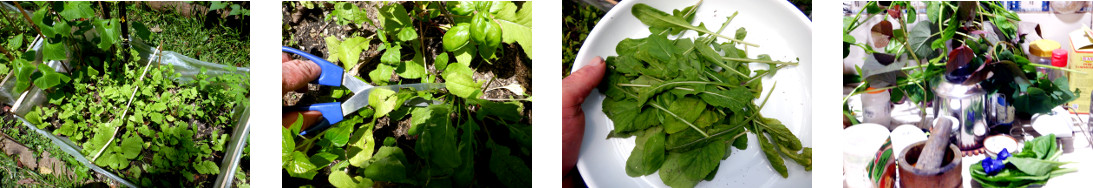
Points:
[(295, 74), (574, 90)]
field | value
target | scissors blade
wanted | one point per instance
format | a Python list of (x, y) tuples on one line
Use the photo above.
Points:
[(417, 86), (356, 102), (360, 98), (354, 84)]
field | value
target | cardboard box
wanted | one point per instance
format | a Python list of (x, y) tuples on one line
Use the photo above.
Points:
[(1081, 59)]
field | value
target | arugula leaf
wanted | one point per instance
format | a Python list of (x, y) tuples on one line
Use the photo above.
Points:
[(348, 51), (459, 81), (341, 179), (648, 154)]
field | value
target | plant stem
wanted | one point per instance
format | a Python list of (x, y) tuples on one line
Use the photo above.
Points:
[(759, 61)]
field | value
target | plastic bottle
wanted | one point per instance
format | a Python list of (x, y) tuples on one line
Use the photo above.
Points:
[(1040, 52), (877, 107), (1058, 59)]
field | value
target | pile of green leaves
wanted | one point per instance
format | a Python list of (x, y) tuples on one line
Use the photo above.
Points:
[(445, 135), (1034, 165), (688, 100)]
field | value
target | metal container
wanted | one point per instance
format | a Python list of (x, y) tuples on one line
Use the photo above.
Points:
[(965, 102)]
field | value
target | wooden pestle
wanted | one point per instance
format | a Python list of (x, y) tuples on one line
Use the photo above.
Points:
[(933, 153)]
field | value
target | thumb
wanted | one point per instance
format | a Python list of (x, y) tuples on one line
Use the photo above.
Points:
[(295, 74), (574, 89)]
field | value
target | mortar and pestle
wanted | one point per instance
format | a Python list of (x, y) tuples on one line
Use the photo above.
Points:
[(934, 162)]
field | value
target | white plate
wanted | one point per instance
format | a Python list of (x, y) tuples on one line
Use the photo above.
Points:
[(780, 30)]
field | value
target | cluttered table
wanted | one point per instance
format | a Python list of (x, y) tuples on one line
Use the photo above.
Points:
[(865, 142)]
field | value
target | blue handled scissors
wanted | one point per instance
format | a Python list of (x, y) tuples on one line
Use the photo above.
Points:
[(334, 75)]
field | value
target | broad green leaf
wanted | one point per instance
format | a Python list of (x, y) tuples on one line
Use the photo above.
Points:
[(361, 146), (686, 169), (457, 37), (77, 9), (15, 43), (735, 99), (236, 10), (217, 5), (341, 179), (53, 51), (207, 167), (322, 159), (465, 55), (508, 111), (459, 81), (339, 133), (516, 25), (920, 40), (301, 166), (394, 17), (413, 69), (648, 153), (347, 12), (686, 109), (389, 165), (437, 142), (382, 74), (109, 32), (407, 33), (49, 77), (44, 24), (392, 56), (383, 100), (348, 52), (131, 147), (439, 63)]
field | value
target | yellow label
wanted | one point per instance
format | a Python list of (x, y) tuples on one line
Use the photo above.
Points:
[(1081, 62)]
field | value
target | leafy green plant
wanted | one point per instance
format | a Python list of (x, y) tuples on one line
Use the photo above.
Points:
[(135, 121), (987, 53), (1035, 164), (416, 138), (686, 113)]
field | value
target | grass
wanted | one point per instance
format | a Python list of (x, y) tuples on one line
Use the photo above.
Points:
[(223, 42), (10, 172)]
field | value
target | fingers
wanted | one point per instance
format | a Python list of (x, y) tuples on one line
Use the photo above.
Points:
[(295, 74), (285, 57), (574, 89), (310, 118)]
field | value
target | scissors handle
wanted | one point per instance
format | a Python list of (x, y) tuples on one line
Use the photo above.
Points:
[(330, 74), (332, 114)]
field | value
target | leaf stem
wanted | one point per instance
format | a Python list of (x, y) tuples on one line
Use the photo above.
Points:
[(759, 61)]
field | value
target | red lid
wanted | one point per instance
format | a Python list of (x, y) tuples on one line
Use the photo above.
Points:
[(1058, 58)]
